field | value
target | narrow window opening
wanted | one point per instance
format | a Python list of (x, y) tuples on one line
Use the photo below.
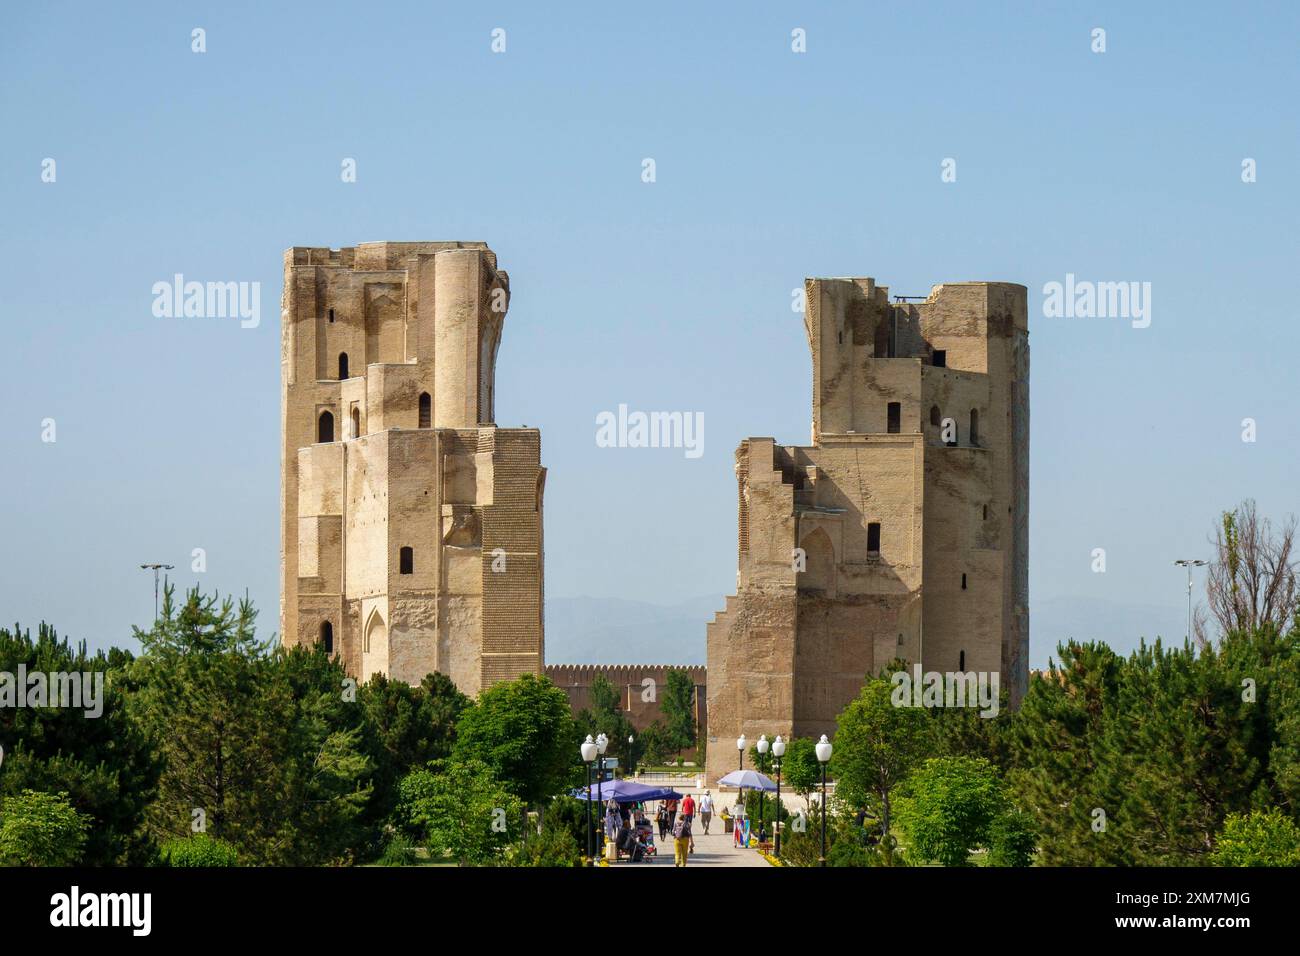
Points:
[(961, 662), (327, 636), (406, 561), (963, 582), (426, 410), (331, 316), (940, 358), (873, 537), (895, 415), (974, 426), (325, 430), (343, 365), (935, 418), (986, 512), (356, 422)]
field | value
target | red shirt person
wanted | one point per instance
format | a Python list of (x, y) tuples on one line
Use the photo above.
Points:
[(688, 806)]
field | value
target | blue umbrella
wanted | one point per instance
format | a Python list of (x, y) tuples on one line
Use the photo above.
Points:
[(747, 780)]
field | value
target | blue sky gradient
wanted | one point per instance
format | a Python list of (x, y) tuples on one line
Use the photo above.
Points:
[(674, 295)]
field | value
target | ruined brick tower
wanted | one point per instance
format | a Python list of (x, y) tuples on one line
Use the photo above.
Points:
[(411, 535), (911, 507)]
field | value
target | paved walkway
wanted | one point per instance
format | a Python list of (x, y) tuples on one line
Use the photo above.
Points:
[(715, 849)]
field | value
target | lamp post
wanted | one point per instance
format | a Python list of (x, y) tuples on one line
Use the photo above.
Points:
[(1190, 563), (740, 746), (778, 751), (602, 742), (823, 757), (588, 755), (632, 763), (155, 568), (762, 746)]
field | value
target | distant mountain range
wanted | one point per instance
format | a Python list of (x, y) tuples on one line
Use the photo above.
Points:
[(587, 630)]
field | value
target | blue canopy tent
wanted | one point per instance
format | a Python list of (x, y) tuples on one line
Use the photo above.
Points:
[(626, 791)]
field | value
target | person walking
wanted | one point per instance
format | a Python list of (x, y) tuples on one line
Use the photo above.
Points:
[(612, 822), (661, 817), (683, 841), (706, 810), (672, 813), (688, 807)]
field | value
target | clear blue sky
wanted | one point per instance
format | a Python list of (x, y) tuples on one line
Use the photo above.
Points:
[(675, 295)]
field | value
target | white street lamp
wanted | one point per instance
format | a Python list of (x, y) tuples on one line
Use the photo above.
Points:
[(588, 750), (824, 757), (778, 751), (762, 748)]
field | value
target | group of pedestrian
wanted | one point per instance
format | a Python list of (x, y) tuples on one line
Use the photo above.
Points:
[(671, 817)]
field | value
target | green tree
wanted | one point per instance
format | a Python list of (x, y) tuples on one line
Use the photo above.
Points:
[(567, 813), (655, 740), (605, 715), (105, 763), (460, 810), (404, 728), (41, 829), (261, 748), (1259, 838), (523, 731), (876, 746), (1013, 838), (950, 806), (678, 708), (800, 769), (1138, 761), (1055, 737)]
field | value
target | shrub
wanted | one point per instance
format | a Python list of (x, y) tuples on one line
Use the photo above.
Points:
[(1257, 839), (397, 852), (41, 829), (1012, 839), (199, 850), (553, 847)]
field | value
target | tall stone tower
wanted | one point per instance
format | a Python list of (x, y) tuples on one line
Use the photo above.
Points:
[(911, 507), (411, 525)]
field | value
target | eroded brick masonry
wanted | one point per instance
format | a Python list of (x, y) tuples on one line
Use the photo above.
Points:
[(911, 507), (411, 524)]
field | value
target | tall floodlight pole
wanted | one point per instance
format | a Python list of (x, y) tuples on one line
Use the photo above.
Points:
[(1190, 563), (155, 568)]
